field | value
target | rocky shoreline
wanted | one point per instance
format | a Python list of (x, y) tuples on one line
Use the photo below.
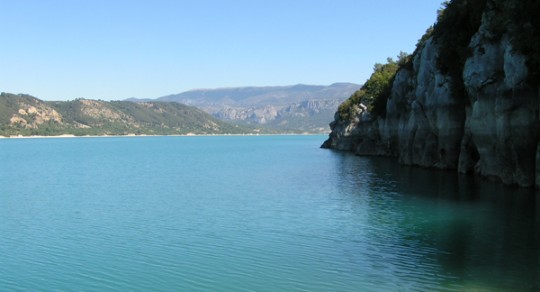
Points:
[(494, 132)]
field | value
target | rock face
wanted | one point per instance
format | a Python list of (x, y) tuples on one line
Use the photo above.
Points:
[(34, 113), (493, 131)]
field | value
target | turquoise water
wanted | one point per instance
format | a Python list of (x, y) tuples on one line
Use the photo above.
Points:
[(262, 213)]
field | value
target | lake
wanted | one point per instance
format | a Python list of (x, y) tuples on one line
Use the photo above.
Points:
[(252, 213)]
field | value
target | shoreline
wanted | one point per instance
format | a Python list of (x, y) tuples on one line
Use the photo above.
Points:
[(133, 135)]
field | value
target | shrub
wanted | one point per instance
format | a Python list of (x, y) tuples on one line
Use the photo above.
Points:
[(526, 34), (457, 22), (374, 93)]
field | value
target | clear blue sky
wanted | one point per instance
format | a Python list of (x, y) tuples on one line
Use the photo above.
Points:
[(115, 49)]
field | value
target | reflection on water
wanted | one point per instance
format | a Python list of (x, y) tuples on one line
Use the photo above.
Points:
[(466, 233)]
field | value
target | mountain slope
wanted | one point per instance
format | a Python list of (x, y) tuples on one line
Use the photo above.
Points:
[(27, 115)]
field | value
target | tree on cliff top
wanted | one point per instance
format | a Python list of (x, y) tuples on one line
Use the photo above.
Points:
[(459, 20), (374, 93)]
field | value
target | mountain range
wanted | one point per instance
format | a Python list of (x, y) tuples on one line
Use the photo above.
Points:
[(242, 110), (293, 109)]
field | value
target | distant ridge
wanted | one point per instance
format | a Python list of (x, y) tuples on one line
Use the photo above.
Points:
[(296, 108), (254, 95)]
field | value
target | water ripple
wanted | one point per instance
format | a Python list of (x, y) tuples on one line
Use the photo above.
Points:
[(251, 214)]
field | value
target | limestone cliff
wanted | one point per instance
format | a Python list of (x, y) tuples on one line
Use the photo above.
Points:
[(483, 120)]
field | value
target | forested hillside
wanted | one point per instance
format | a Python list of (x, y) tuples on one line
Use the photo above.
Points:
[(26, 115)]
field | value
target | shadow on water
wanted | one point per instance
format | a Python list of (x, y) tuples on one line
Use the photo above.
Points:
[(464, 232)]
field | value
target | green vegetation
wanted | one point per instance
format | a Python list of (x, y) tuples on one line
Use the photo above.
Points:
[(26, 115), (526, 34), (457, 22), (375, 92)]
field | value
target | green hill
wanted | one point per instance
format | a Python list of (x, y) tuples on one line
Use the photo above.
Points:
[(26, 115)]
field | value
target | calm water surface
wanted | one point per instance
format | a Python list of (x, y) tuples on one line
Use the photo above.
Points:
[(252, 214)]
